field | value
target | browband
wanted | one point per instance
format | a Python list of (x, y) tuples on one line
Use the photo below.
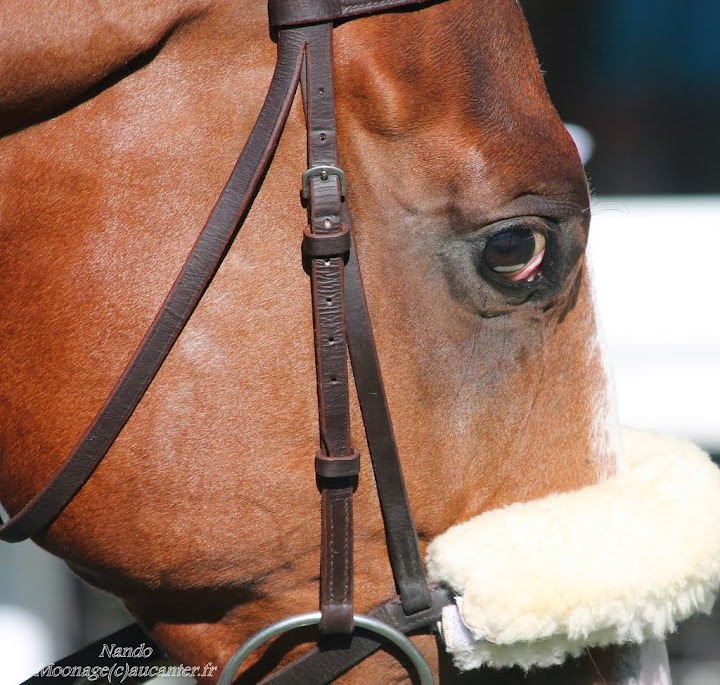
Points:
[(283, 13)]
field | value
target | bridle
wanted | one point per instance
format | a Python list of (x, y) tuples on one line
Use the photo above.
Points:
[(304, 55)]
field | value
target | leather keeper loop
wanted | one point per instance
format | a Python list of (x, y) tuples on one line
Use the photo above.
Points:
[(338, 467), (326, 244), (337, 619)]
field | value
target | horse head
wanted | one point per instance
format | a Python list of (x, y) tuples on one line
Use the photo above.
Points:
[(470, 212)]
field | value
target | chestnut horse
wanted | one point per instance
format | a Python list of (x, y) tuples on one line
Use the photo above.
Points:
[(121, 122)]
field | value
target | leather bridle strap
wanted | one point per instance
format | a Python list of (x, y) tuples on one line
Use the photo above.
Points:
[(400, 531), (337, 464), (285, 13), (330, 221), (196, 273)]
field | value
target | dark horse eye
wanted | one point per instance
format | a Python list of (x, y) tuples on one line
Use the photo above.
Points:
[(515, 253)]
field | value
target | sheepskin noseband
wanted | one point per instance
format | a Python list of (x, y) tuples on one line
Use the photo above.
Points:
[(621, 561)]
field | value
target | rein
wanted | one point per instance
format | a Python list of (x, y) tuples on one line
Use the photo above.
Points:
[(341, 322)]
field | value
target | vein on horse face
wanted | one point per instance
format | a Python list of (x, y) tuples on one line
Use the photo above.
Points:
[(535, 394), (471, 360)]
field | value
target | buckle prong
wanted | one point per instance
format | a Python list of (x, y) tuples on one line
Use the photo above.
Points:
[(322, 171)]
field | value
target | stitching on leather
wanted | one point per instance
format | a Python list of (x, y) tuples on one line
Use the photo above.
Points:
[(347, 571), (372, 3), (330, 556)]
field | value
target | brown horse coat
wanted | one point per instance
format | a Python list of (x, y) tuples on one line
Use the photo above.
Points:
[(122, 122)]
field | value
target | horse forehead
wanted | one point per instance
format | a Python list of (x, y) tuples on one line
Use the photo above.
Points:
[(465, 82), (450, 48)]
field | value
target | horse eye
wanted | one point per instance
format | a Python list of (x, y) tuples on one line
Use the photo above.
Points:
[(516, 253)]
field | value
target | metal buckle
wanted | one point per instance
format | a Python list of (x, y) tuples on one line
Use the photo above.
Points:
[(324, 172)]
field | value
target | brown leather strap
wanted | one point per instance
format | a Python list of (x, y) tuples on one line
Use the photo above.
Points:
[(284, 13), (337, 467), (401, 536), (333, 221), (400, 533), (327, 278), (199, 268), (330, 660)]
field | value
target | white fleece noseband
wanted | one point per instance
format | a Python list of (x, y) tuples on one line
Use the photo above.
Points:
[(621, 561)]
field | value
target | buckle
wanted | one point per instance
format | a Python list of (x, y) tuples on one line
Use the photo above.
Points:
[(324, 172)]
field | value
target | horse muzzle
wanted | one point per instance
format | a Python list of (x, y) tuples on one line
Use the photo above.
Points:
[(617, 563)]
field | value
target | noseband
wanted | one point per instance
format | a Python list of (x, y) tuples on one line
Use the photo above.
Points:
[(304, 55)]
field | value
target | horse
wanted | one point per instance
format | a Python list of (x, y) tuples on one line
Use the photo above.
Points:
[(121, 123)]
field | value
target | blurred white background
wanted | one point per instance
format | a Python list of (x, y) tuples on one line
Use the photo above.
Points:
[(656, 285)]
